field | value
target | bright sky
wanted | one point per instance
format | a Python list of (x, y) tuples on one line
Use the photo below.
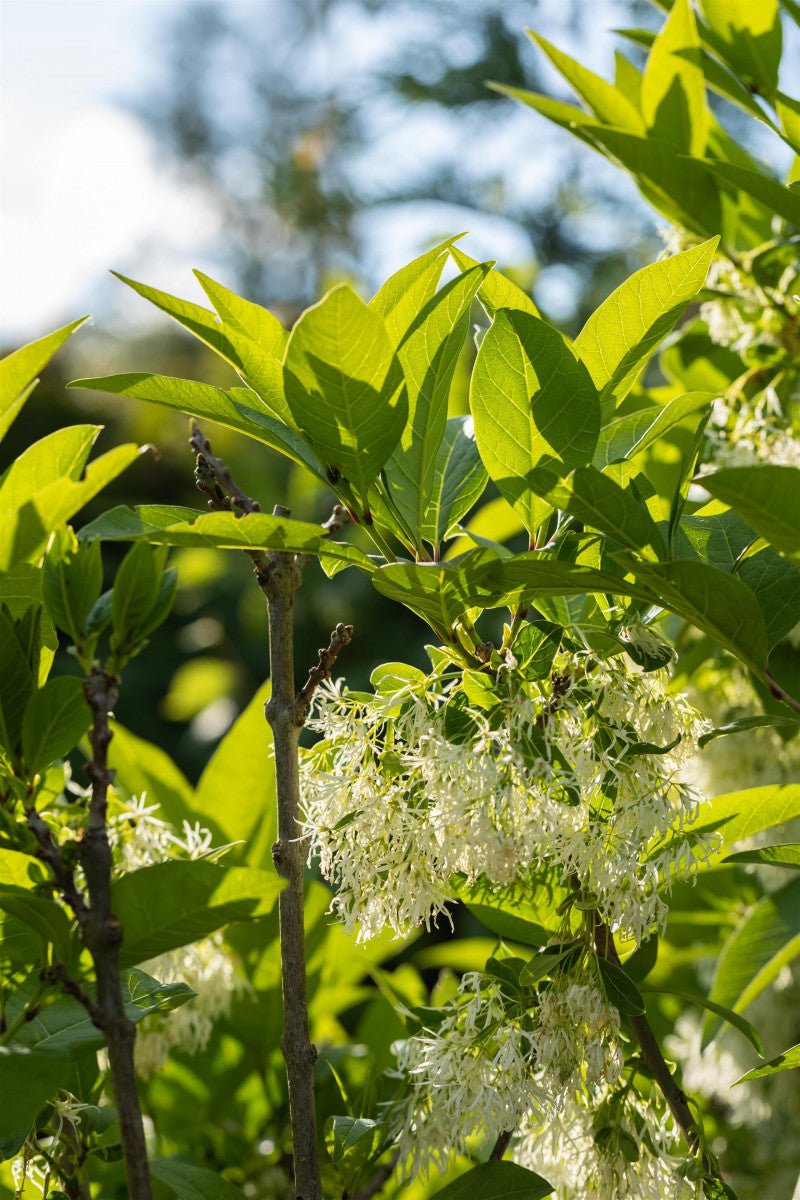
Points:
[(81, 188)]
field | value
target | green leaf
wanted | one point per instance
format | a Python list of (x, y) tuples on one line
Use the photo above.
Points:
[(171, 904), (18, 371), (136, 590), (768, 497), (673, 86), (497, 290), (406, 293), (788, 110), (229, 409), (738, 1022), (677, 186), (780, 200), (428, 354), (235, 797), (620, 336), (534, 404), (496, 1181), (438, 592), (715, 602), (536, 646), (748, 37), (785, 855), (56, 718), (73, 581), (345, 388), (741, 814), (64, 1026), (28, 1078), (199, 321), (43, 915), (514, 912), (744, 724), (527, 577), (25, 535), (600, 502), (620, 989), (459, 479), (788, 1060), (764, 941), (19, 870), (18, 676), (193, 1183), (60, 455), (244, 317), (626, 436), (256, 531), (606, 101)]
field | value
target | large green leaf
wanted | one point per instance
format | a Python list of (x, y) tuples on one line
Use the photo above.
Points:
[(738, 815), (406, 293), (60, 455), (256, 531), (764, 941), (24, 537), (528, 576), (719, 536), (496, 1181), (715, 602), (534, 404), (18, 371), (785, 855), (600, 503), (678, 186), (235, 797), (345, 388), (56, 718), (20, 588), (778, 199), (439, 592), (428, 354), (199, 321), (673, 87), (632, 433), (230, 409), (65, 1027), (497, 290), (171, 904), (768, 497), (620, 336), (244, 317), (748, 37), (19, 680), (459, 478), (28, 1079), (42, 914), (191, 1182), (606, 101)]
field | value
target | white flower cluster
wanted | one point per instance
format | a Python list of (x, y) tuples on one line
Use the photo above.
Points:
[(208, 969), (140, 837), (575, 1039), (745, 313), (577, 772), (473, 1074), (638, 1159), (750, 432)]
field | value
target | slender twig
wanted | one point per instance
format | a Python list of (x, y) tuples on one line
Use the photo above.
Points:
[(49, 852), (340, 637), (676, 1098), (279, 575), (500, 1146), (102, 934)]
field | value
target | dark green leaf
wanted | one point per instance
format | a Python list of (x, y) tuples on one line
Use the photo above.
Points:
[(496, 1181), (622, 992), (789, 1060), (191, 1182), (738, 1022), (785, 855), (56, 718), (534, 404)]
